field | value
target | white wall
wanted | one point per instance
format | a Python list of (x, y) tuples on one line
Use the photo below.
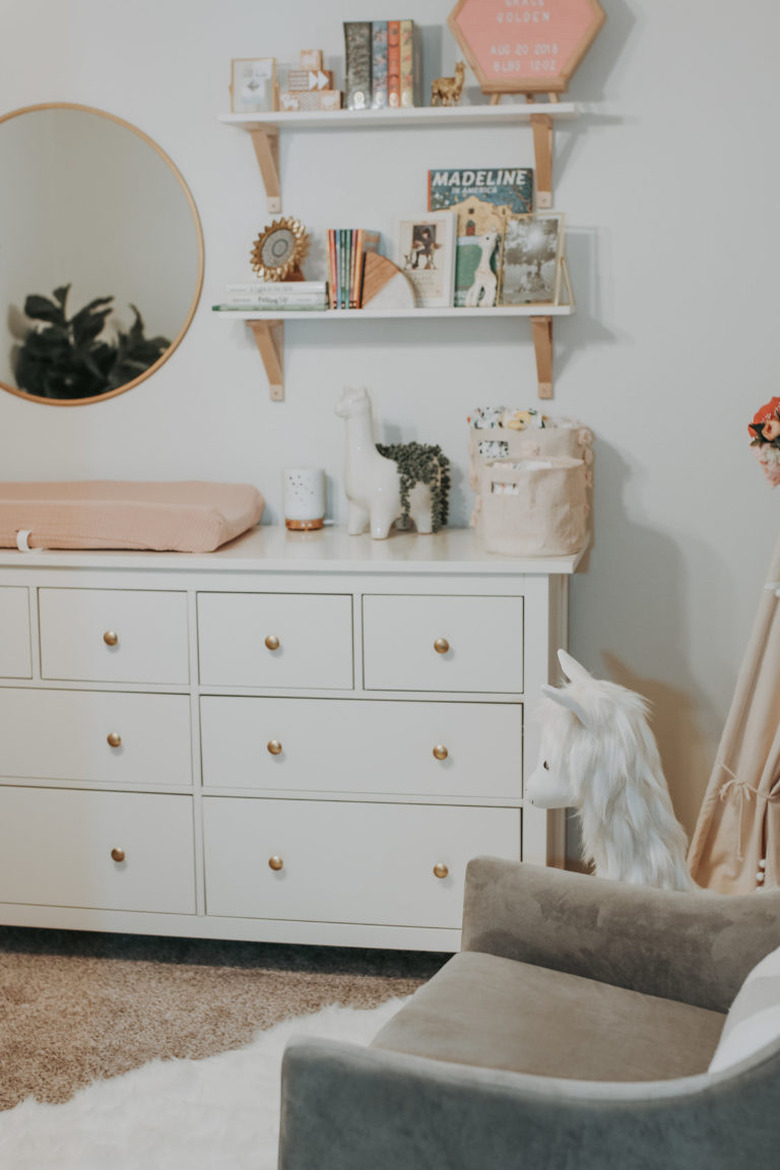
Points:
[(669, 182)]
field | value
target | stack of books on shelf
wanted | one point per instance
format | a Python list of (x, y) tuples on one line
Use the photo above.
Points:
[(347, 248), (382, 64), (268, 295)]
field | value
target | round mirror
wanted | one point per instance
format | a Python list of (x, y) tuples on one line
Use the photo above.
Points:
[(101, 255)]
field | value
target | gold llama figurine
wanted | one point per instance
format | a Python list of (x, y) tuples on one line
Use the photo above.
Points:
[(446, 91)]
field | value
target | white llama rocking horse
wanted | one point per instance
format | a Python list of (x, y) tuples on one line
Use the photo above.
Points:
[(598, 755), (371, 480)]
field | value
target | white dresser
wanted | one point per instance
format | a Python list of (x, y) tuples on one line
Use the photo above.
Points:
[(300, 738)]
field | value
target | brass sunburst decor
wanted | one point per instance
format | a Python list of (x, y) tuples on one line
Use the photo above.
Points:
[(279, 249)]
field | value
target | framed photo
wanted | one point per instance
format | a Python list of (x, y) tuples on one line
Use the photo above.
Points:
[(253, 84), (426, 256), (531, 262)]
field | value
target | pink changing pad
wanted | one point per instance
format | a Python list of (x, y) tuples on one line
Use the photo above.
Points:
[(180, 517)]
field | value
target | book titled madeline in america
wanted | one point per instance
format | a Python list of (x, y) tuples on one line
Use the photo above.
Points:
[(504, 187)]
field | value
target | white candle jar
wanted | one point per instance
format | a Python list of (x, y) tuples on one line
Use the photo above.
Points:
[(303, 490)]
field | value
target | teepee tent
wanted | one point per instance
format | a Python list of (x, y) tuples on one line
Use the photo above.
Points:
[(736, 843)]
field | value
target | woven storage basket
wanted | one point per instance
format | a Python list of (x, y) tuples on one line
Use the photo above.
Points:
[(535, 507)]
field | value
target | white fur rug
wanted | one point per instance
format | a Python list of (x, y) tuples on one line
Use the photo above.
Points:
[(216, 1114)]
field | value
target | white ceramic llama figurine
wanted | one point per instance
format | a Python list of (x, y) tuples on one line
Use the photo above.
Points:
[(371, 480), (598, 755), (482, 294)]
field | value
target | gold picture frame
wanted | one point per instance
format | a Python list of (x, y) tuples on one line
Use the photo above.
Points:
[(278, 252), (253, 85)]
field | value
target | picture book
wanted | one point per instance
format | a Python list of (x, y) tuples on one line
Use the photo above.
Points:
[(426, 256), (357, 44), (394, 63), (379, 65), (475, 287), (469, 191)]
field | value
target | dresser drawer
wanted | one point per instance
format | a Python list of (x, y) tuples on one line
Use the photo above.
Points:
[(105, 737), (15, 656), (368, 746), (114, 635), (275, 640), (56, 850), (347, 862), (443, 643)]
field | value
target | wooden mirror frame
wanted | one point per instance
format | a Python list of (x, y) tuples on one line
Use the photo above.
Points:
[(152, 369)]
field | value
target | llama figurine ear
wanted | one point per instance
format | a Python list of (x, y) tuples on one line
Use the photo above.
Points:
[(565, 699), (571, 668)]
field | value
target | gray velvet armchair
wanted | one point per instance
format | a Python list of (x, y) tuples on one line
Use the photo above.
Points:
[(574, 1029)]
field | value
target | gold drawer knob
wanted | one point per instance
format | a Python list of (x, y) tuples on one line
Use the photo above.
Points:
[(440, 870), (110, 638), (274, 747), (272, 642), (114, 739), (441, 645), (275, 863), (440, 752), (117, 854)]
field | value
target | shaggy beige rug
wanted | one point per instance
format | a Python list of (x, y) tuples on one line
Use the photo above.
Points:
[(78, 1007)]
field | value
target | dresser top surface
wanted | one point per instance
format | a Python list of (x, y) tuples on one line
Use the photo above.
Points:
[(273, 549)]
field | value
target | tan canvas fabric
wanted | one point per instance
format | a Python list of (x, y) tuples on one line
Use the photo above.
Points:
[(739, 822), (571, 440), (535, 507), (182, 517)]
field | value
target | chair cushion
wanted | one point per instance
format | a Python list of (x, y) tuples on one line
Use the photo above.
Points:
[(753, 1020), (498, 1013), (192, 516)]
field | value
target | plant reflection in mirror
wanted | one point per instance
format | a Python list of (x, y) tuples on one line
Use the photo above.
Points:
[(84, 355)]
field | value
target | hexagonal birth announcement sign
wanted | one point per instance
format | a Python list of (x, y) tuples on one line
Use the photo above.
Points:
[(521, 46)]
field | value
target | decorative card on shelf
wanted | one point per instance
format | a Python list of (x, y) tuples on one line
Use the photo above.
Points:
[(477, 270), (531, 266), (253, 84), (426, 255)]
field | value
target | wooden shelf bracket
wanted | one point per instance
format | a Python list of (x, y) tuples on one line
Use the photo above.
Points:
[(265, 140), (542, 126), (269, 337), (543, 346)]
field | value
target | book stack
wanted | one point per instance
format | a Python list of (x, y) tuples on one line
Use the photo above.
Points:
[(270, 295), (347, 248), (382, 66)]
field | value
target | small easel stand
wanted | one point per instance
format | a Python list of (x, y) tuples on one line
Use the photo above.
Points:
[(736, 844)]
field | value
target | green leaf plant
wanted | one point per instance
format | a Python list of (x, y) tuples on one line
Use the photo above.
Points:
[(67, 357)]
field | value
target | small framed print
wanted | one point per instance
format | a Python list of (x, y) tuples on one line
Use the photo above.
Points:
[(426, 256), (531, 264), (253, 85)]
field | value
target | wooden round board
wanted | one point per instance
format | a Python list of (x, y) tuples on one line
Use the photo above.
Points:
[(384, 285)]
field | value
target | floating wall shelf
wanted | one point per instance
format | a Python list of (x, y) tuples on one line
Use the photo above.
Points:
[(268, 327), (264, 130)]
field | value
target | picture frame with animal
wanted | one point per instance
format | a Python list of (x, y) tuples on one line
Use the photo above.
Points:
[(426, 256)]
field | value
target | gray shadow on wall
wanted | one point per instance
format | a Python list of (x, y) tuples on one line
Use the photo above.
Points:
[(629, 609)]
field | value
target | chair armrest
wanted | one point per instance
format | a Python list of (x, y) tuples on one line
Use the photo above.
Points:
[(694, 947), (349, 1108)]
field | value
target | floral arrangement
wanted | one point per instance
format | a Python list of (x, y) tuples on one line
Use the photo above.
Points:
[(764, 434)]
